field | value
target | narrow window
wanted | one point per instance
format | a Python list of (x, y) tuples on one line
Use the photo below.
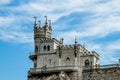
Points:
[(87, 62), (36, 49), (48, 48), (67, 61), (44, 48)]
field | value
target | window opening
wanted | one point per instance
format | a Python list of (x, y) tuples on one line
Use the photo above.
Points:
[(44, 48), (87, 62), (36, 49), (48, 48), (68, 61)]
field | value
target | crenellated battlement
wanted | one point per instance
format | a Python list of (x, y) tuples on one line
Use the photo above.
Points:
[(78, 46), (49, 40), (68, 46), (92, 53), (37, 28)]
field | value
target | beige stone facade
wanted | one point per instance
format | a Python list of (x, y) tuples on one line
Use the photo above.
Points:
[(55, 61)]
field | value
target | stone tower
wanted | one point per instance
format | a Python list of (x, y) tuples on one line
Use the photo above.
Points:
[(55, 61)]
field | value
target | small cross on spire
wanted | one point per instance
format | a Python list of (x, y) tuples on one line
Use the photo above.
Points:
[(75, 40)]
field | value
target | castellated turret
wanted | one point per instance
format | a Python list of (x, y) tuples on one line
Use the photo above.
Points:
[(42, 32)]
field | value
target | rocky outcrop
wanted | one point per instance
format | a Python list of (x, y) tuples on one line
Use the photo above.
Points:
[(60, 76), (102, 74)]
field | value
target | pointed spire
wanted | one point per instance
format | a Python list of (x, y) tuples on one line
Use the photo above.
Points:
[(61, 40), (46, 21), (35, 22), (49, 22), (75, 47), (39, 23), (75, 40), (50, 27)]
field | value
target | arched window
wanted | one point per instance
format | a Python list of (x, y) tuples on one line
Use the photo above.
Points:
[(44, 48), (67, 61), (48, 48), (36, 49), (87, 62), (67, 58)]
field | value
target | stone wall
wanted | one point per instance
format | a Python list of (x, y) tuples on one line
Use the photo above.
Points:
[(50, 60)]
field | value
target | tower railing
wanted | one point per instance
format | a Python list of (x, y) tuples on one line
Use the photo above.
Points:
[(101, 66), (110, 66)]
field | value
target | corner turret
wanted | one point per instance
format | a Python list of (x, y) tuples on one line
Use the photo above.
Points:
[(42, 32)]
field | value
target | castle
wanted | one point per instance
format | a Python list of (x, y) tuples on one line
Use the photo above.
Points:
[(55, 61)]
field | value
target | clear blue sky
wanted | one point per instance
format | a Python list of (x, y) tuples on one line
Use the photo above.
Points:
[(96, 23)]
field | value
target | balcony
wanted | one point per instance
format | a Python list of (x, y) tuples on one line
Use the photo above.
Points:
[(45, 69), (33, 56)]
